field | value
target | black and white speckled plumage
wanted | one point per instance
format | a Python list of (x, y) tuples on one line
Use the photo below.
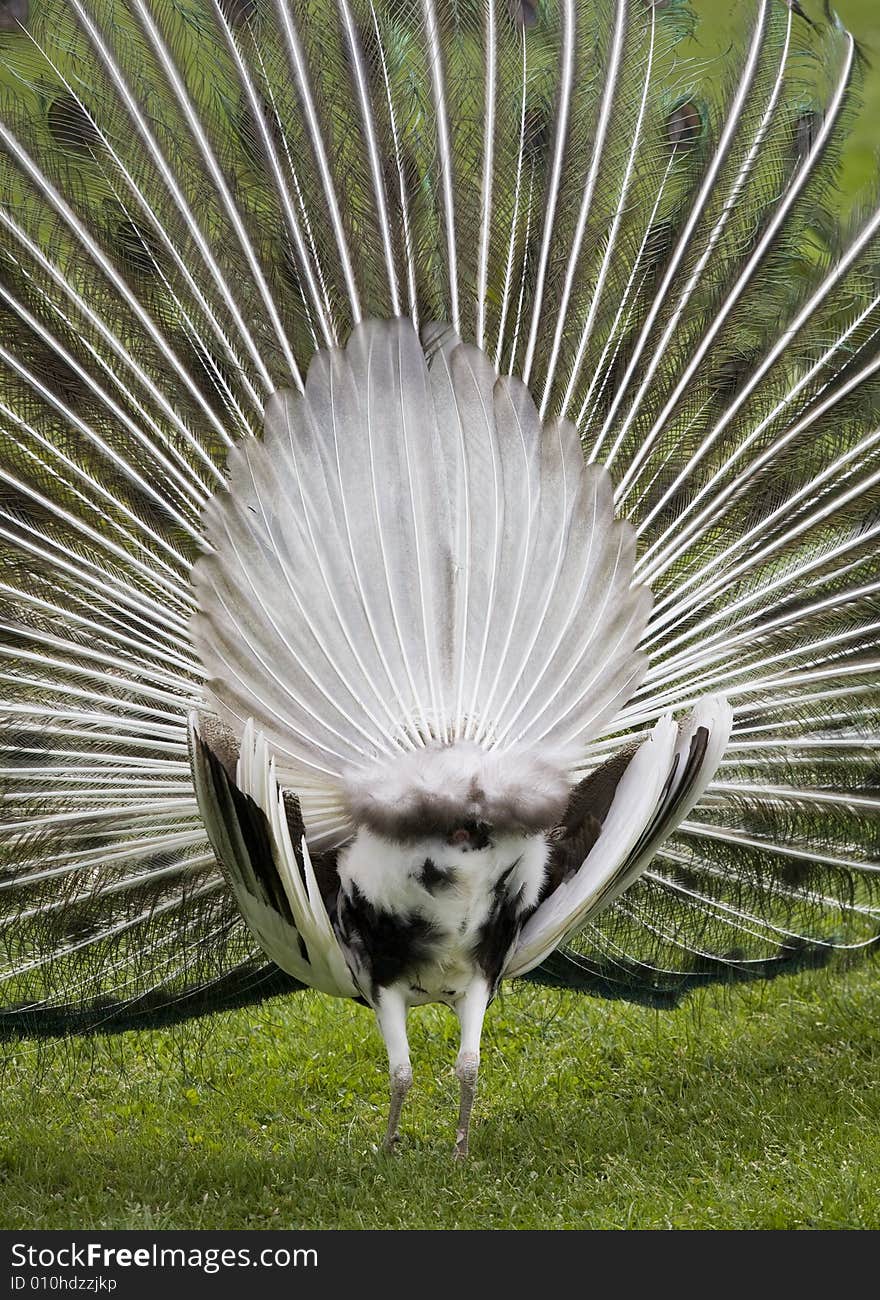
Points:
[(429, 914)]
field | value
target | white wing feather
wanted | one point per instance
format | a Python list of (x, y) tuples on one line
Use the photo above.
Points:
[(305, 947), (655, 793)]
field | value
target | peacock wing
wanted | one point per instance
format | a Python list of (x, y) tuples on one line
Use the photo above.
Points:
[(615, 823), (258, 835)]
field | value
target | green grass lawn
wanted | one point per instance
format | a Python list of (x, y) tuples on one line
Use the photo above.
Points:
[(759, 1109)]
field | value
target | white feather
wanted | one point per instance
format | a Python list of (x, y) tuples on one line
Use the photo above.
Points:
[(410, 558), (320, 962), (611, 866)]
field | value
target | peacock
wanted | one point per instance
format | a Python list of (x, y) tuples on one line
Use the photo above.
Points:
[(439, 507)]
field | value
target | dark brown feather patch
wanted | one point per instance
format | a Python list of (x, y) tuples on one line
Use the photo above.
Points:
[(588, 806)]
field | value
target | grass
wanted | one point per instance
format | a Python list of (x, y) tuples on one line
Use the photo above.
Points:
[(758, 1109)]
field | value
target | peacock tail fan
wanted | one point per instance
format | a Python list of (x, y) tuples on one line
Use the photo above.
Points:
[(199, 195)]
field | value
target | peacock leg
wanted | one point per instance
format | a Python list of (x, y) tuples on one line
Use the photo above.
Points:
[(391, 1009), (470, 1011)]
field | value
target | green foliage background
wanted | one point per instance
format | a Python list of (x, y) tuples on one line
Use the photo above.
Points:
[(752, 1109), (862, 17)]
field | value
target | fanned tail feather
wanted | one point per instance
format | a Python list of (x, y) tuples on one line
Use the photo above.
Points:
[(368, 590), (198, 200)]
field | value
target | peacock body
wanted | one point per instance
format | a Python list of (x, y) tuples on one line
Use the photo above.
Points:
[(407, 410)]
